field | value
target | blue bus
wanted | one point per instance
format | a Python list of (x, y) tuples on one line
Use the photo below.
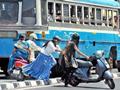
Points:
[(96, 21)]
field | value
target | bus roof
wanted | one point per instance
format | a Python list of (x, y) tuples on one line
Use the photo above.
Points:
[(105, 3)]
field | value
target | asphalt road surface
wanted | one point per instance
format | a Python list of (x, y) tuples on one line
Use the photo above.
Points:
[(82, 86)]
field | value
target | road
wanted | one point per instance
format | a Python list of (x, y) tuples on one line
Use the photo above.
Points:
[(33, 84), (82, 86)]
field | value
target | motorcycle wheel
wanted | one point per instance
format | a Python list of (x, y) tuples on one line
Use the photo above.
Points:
[(74, 81), (20, 77), (16, 74), (110, 83)]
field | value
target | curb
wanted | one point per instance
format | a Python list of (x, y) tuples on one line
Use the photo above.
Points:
[(28, 83)]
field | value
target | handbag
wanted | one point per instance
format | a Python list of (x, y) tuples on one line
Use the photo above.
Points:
[(67, 63), (72, 63)]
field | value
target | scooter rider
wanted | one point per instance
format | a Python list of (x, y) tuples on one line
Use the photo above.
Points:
[(69, 55), (33, 46), (21, 49)]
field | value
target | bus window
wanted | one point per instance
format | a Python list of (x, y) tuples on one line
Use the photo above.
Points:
[(86, 15), (72, 13), (92, 13), (8, 34), (110, 17), (115, 22), (92, 16), (43, 12), (104, 17), (98, 16), (58, 12), (28, 12), (79, 14), (50, 12), (66, 12), (8, 12)]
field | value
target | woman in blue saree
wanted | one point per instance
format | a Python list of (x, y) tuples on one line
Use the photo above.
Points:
[(41, 67)]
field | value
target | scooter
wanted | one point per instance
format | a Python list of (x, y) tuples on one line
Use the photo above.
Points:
[(16, 71), (82, 75)]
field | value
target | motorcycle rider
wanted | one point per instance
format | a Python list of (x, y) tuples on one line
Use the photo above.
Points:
[(33, 46), (68, 56), (21, 49)]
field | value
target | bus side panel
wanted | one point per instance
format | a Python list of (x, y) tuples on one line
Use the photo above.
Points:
[(6, 47), (89, 42)]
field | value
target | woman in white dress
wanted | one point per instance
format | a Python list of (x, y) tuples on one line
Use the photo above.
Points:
[(41, 67)]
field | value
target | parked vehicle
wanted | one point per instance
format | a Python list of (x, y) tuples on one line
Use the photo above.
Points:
[(82, 75)]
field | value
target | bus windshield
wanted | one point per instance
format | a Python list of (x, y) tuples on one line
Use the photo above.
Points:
[(8, 12)]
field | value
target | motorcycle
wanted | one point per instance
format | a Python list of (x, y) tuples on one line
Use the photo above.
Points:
[(82, 75)]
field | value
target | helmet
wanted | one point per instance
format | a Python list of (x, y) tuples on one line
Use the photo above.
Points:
[(57, 37), (75, 36), (33, 36), (99, 53)]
